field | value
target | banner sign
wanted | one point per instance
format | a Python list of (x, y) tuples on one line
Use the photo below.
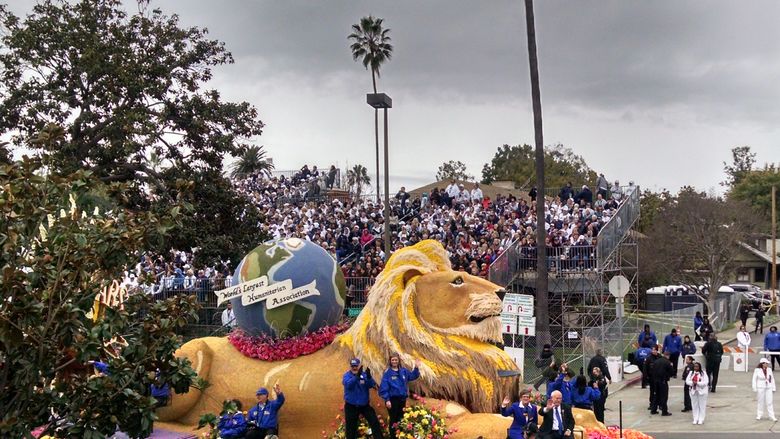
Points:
[(526, 325), (518, 304), (257, 290)]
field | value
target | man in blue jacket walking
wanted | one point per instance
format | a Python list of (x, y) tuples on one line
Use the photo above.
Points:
[(772, 344), (357, 383), (264, 416), (673, 345)]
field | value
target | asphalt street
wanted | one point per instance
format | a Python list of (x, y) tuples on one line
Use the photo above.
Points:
[(731, 411)]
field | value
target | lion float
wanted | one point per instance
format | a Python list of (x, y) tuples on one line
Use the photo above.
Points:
[(419, 308)]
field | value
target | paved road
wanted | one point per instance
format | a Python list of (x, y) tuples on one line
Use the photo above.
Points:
[(731, 412)]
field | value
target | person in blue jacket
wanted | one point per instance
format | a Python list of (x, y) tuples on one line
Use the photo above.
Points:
[(232, 423), (647, 338), (394, 389), (263, 418), (673, 345), (688, 348), (697, 322), (160, 390), (357, 383), (772, 344), (583, 396), (563, 383), (523, 413)]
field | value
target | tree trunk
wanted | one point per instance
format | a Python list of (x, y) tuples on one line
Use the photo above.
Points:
[(542, 304)]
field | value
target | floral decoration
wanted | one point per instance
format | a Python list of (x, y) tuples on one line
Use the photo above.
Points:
[(613, 432), (267, 348), (423, 422)]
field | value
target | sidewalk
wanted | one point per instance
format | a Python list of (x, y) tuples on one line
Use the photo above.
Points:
[(732, 410)]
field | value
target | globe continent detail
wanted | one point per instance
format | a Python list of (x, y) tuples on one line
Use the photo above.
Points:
[(302, 263)]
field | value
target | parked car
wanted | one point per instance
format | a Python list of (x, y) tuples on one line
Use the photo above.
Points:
[(751, 293)]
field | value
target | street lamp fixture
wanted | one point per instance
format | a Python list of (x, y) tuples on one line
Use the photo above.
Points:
[(383, 102)]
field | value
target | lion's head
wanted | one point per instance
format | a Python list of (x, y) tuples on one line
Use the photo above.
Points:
[(421, 309)]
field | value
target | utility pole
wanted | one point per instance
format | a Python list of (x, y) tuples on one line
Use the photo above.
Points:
[(774, 250)]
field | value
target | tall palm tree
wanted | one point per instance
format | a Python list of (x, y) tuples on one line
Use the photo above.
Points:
[(371, 45), (542, 310), (253, 160), (357, 177)]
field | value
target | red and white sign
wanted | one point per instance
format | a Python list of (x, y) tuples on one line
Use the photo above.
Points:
[(526, 326), (509, 324), (518, 304)]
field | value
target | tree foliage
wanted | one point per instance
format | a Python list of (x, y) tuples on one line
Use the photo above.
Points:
[(123, 86), (517, 163), (694, 241), (453, 170), (357, 177), (756, 188), (58, 251), (742, 161), (252, 161), (371, 44), (221, 223)]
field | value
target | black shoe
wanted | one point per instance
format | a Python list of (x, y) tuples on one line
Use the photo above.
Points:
[(713, 391), (666, 414), (686, 410), (654, 412)]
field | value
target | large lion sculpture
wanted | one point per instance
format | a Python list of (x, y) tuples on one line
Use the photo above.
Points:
[(419, 308)]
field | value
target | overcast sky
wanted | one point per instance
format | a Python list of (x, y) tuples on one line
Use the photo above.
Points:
[(655, 92)]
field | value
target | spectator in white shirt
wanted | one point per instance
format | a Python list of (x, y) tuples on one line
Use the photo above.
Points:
[(476, 194), (228, 317)]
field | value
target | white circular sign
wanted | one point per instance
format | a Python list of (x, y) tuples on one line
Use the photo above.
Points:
[(619, 286)]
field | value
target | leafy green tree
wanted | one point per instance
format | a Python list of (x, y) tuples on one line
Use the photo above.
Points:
[(742, 162), (252, 161), (756, 188), (653, 203), (357, 177), (123, 86), (695, 240), (221, 223), (453, 170), (371, 45), (57, 253), (518, 164)]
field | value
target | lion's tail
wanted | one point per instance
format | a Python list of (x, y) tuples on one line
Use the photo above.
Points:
[(201, 356)]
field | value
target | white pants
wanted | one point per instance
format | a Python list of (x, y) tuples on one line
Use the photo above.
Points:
[(765, 402), (699, 405)]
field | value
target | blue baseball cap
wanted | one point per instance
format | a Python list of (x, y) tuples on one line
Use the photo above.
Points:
[(262, 391), (354, 362)]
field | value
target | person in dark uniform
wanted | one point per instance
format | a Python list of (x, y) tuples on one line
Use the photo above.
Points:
[(663, 370), (706, 329), (688, 368), (744, 313), (558, 420), (599, 361), (647, 375), (759, 320), (713, 353), (598, 378), (357, 383)]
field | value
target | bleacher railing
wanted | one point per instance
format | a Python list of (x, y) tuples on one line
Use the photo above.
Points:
[(615, 229)]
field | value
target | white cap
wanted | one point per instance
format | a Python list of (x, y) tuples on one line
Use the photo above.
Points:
[(763, 360)]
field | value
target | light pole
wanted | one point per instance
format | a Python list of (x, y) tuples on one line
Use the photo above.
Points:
[(383, 101)]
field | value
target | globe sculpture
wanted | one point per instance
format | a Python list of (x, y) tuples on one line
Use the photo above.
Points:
[(287, 287)]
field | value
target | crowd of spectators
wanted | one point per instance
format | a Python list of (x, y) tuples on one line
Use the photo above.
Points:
[(473, 228)]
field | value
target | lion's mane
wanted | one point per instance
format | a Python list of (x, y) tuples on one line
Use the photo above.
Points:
[(461, 367)]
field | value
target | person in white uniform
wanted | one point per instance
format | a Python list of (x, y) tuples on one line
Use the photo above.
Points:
[(764, 385), (697, 382), (743, 341)]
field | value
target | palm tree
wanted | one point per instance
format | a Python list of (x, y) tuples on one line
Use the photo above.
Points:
[(358, 177), (542, 310), (371, 44), (253, 160)]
